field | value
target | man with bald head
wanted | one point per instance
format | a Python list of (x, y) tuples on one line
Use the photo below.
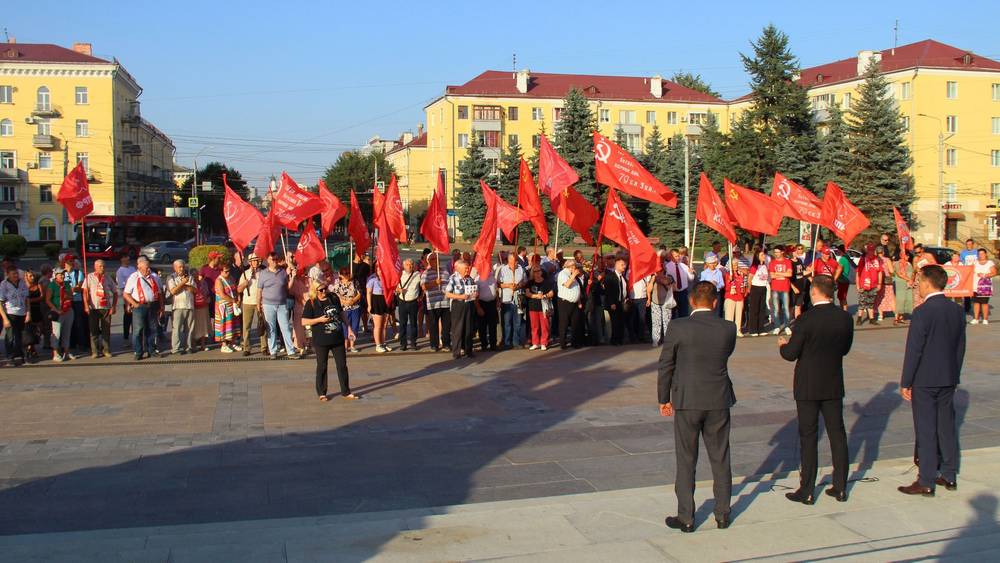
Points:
[(408, 294), (181, 287), (100, 299), (463, 291)]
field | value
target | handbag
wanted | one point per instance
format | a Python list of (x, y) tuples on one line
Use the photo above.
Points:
[(670, 302), (54, 316), (29, 337), (547, 306)]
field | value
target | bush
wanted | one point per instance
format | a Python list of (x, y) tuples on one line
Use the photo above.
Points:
[(13, 245), (52, 250), (198, 256)]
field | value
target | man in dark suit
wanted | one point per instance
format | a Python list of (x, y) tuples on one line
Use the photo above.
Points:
[(694, 386), (615, 296), (821, 337), (935, 350)]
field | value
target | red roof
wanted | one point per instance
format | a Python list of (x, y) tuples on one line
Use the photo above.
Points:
[(42, 53), (546, 85), (418, 141), (926, 54)]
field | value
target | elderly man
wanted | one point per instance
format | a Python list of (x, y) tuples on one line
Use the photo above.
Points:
[(100, 299), (678, 270), (438, 312), (511, 280), (182, 288), (142, 293), (463, 291), (487, 316), (247, 287), (569, 289), (408, 293), (714, 274), (16, 312)]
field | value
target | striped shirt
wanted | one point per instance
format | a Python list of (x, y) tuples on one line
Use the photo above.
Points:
[(435, 295)]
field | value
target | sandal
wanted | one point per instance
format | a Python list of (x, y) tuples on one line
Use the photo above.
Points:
[(324, 398), (351, 397)]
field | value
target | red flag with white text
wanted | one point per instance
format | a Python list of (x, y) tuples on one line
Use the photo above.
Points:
[(243, 220), (711, 212), (616, 168), (795, 201), (74, 194), (292, 204), (619, 226), (841, 216)]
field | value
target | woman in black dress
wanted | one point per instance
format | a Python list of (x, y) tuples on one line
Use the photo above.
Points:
[(325, 317)]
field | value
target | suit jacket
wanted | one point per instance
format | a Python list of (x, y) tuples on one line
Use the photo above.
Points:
[(821, 337), (694, 372), (935, 345), (613, 289)]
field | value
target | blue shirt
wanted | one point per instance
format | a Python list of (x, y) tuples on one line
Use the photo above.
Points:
[(715, 276)]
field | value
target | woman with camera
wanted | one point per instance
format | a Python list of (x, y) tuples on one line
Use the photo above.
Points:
[(324, 316)]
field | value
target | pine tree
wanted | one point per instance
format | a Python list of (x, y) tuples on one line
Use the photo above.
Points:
[(880, 157), (656, 150), (469, 204), (665, 222), (834, 161), (694, 82), (575, 142), (509, 175), (792, 158)]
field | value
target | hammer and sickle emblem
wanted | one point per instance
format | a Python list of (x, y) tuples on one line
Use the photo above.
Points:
[(603, 151), (733, 194), (230, 211), (784, 190), (616, 212)]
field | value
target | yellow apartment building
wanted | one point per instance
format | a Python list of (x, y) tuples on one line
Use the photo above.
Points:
[(61, 106)]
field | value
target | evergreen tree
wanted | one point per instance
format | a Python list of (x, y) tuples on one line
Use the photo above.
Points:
[(880, 157), (656, 150), (469, 204), (694, 82), (509, 175), (575, 142), (792, 158), (714, 152), (834, 161), (664, 222)]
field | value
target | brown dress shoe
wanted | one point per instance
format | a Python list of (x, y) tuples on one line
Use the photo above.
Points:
[(950, 485), (916, 488)]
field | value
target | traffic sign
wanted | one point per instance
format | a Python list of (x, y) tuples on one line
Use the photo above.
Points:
[(193, 202), (206, 186)]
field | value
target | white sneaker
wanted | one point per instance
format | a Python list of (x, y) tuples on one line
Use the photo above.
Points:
[(387, 348), (788, 331), (533, 347), (381, 349), (986, 321), (974, 322), (544, 348), (739, 335), (776, 331), (238, 348), (225, 349)]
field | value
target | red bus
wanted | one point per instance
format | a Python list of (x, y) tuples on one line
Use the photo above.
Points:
[(112, 236)]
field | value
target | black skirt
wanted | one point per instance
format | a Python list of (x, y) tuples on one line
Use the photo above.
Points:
[(379, 306)]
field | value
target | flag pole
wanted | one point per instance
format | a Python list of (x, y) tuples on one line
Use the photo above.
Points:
[(694, 236), (351, 259), (557, 235), (83, 245)]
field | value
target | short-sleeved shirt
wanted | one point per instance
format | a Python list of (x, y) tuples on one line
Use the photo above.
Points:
[(329, 333), (374, 284), (639, 288), (715, 276), (14, 297), (736, 284), (968, 257), (783, 266), (75, 278), (435, 295), (409, 285), (868, 272), (346, 291), (759, 276), (486, 290), (542, 287), (506, 275), (252, 277), (210, 273), (121, 276), (273, 287), (144, 289), (462, 286), (571, 293), (825, 267), (185, 298), (102, 290), (799, 273)]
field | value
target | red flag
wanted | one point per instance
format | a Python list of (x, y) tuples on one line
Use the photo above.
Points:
[(711, 212), (292, 204), (961, 280), (378, 204), (841, 216), (488, 235), (333, 210), (243, 221), (74, 194), (310, 249), (388, 265), (392, 208), (574, 210), (619, 226), (616, 168), (357, 229), (531, 204), (751, 209), (795, 201), (266, 236), (435, 224), (508, 217), (902, 231), (554, 173)]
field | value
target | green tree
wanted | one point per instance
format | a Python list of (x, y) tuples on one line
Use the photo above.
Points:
[(694, 82), (575, 142), (212, 218), (880, 158), (834, 161), (355, 170), (469, 204), (509, 175), (665, 222)]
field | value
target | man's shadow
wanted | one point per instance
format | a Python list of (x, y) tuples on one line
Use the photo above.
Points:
[(781, 460), (865, 436), (968, 544)]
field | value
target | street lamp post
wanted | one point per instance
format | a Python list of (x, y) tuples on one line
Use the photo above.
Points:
[(941, 196), (194, 193)]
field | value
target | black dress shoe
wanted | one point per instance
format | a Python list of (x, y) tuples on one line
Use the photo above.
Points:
[(949, 485), (916, 488), (841, 496), (801, 496), (723, 522), (675, 523)]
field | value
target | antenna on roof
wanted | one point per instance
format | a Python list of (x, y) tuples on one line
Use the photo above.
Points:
[(515, 62), (895, 36), (6, 37)]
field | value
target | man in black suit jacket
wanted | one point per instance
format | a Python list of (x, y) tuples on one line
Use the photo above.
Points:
[(615, 295), (935, 350), (694, 385), (821, 337)]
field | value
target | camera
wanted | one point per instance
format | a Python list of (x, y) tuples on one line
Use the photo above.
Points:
[(333, 325)]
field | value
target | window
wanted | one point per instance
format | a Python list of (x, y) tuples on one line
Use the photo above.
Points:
[(951, 90), (996, 125), (82, 97), (45, 193), (7, 159), (950, 193), (633, 142), (44, 126), (8, 194), (494, 163), (45, 160), (82, 128), (536, 141), (846, 104), (7, 93), (46, 229), (823, 101), (905, 90), (10, 227), (85, 159), (906, 123), (7, 127), (605, 116), (463, 140), (994, 191), (672, 118), (512, 113), (626, 116), (951, 123), (463, 112), (512, 141), (42, 99), (489, 138), (995, 158), (698, 118), (537, 114), (951, 229), (996, 93), (486, 113), (651, 117), (557, 114), (951, 157)]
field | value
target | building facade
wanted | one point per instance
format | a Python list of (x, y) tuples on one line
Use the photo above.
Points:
[(62, 106)]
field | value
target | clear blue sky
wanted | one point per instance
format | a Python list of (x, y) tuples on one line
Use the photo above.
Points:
[(309, 80)]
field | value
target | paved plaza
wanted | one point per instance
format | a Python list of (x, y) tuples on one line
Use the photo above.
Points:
[(560, 454)]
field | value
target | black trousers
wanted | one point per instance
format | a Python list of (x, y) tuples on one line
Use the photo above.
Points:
[(713, 427), (937, 437), (408, 323), (126, 322), (463, 325), (339, 360), (681, 310), (833, 418), (78, 337), (571, 321), (439, 338), (618, 324), (486, 325), (14, 337), (756, 316)]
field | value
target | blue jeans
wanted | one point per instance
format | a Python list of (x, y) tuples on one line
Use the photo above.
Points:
[(276, 317), (145, 326), (512, 325), (780, 316)]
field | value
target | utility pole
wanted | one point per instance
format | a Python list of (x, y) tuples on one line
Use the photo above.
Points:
[(687, 195), (941, 197)]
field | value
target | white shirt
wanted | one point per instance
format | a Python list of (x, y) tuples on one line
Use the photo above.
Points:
[(506, 275), (639, 289), (760, 277), (184, 299), (571, 293), (679, 272), (133, 286), (932, 294), (14, 297)]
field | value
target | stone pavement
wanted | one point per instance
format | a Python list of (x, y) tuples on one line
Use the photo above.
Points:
[(114, 451)]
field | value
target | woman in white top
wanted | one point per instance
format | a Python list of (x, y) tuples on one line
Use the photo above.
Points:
[(982, 283), (760, 279)]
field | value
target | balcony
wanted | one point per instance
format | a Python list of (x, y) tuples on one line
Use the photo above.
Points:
[(128, 147), (46, 111), (133, 119), (132, 176), (44, 141), (11, 207), (486, 124), (631, 128), (10, 176), (692, 130)]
